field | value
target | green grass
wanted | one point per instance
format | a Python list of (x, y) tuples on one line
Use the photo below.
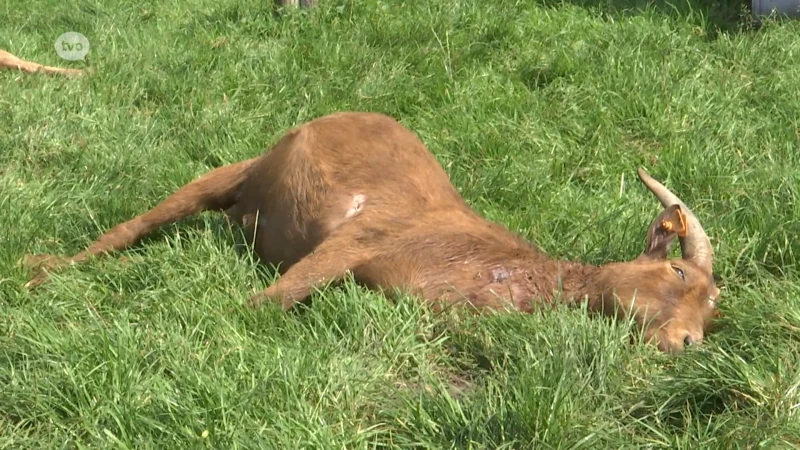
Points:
[(540, 111)]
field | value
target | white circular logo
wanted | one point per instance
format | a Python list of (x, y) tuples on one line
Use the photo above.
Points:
[(72, 46)]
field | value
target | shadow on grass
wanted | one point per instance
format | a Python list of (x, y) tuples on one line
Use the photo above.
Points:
[(224, 232), (715, 16)]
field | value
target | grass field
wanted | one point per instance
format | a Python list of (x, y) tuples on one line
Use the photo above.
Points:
[(540, 111)]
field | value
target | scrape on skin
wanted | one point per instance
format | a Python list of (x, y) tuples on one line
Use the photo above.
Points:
[(500, 274), (356, 206)]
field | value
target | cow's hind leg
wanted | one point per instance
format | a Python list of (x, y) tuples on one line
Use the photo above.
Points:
[(12, 62), (215, 190), (329, 262)]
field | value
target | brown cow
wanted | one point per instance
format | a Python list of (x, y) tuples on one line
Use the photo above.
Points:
[(360, 193)]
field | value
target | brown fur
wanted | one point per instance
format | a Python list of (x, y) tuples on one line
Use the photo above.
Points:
[(359, 193), (11, 62)]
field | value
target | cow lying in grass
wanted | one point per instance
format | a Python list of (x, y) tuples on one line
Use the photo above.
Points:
[(359, 193)]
